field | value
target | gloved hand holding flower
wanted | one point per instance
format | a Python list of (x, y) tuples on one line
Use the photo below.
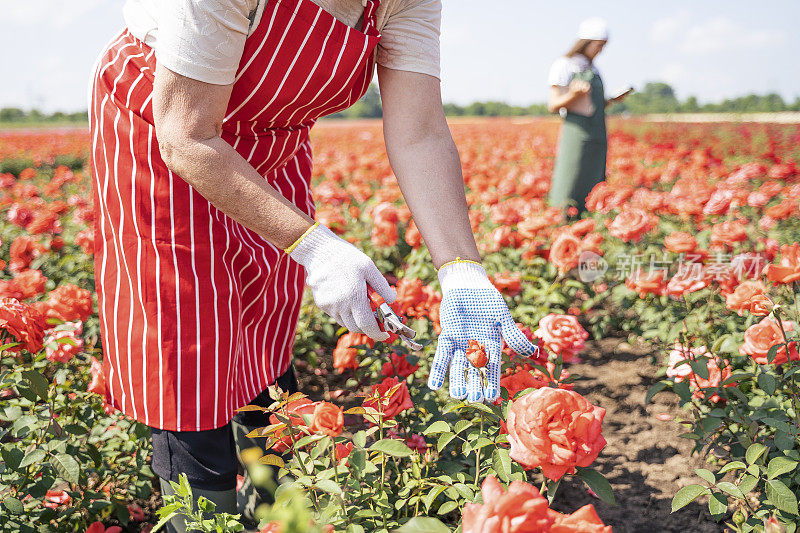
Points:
[(473, 309)]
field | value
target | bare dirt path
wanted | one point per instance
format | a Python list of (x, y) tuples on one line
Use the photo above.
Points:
[(645, 460)]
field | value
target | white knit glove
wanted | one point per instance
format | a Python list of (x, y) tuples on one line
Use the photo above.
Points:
[(338, 273), (473, 309)]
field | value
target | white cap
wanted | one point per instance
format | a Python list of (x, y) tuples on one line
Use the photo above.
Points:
[(594, 29)]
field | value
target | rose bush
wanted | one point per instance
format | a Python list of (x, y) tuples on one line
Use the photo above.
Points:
[(400, 451)]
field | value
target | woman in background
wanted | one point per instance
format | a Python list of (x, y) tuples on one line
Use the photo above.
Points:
[(576, 92)]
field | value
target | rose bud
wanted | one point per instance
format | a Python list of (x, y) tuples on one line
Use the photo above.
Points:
[(476, 354)]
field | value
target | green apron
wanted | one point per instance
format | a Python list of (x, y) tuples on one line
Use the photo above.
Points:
[(581, 160)]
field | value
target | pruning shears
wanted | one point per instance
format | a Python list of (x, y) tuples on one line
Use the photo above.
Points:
[(390, 322)]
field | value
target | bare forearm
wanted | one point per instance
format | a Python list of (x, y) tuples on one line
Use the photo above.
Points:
[(233, 186), (563, 100), (429, 174)]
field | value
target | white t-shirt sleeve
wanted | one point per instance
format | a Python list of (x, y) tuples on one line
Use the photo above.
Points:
[(410, 38), (203, 40), (560, 73)]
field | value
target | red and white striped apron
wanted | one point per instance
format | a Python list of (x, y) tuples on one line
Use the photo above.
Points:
[(197, 312)]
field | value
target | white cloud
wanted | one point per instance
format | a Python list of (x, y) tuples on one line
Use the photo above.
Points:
[(667, 29), (722, 34)]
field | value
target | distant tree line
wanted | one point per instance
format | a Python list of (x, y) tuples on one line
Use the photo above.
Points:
[(19, 116), (655, 97)]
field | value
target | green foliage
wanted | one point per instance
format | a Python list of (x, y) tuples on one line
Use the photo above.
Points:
[(56, 437), (200, 517)]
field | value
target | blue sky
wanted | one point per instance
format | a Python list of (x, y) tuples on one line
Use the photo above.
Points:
[(498, 50)]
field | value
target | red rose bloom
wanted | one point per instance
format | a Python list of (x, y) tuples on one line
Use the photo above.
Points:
[(23, 323), (295, 411), (398, 366), (392, 405)]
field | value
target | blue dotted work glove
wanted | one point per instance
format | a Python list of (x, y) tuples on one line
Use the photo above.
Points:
[(473, 309)]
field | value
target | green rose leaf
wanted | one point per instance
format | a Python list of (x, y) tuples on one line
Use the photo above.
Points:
[(598, 483), (423, 524), (780, 465), (781, 497), (754, 452), (37, 382), (393, 447), (687, 495), (67, 467)]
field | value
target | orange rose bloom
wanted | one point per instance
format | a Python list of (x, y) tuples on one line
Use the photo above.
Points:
[(69, 303), (98, 383), (413, 236), (788, 270), (272, 527), (584, 520), (328, 419), (30, 283), (782, 210), (680, 243), (295, 411), (563, 335), (398, 402), (743, 297), (521, 509), (344, 356), (509, 283), (716, 375), (411, 298), (85, 239), (684, 283), (476, 354), (759, 338), (631, 223), (643, 283), (727, 233), (555, 429), (565, 251)]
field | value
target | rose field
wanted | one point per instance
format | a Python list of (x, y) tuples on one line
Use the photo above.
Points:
[(665, 395)]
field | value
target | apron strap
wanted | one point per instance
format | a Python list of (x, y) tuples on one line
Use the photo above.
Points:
[(370, 12)]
